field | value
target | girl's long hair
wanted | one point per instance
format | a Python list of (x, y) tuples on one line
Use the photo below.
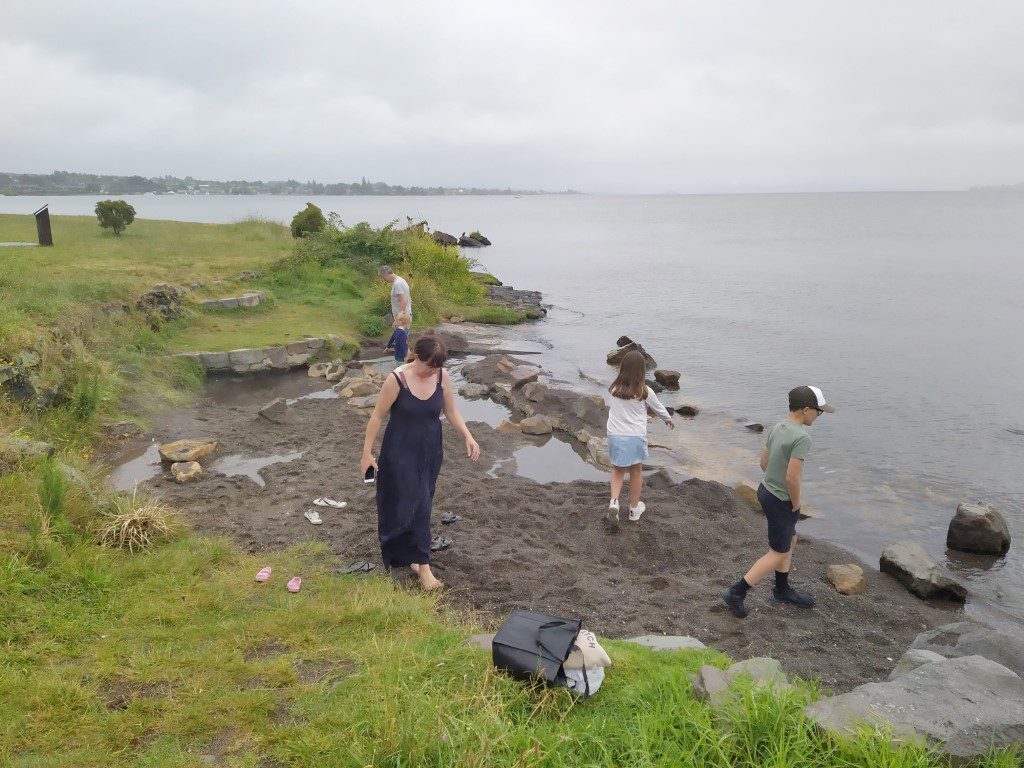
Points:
[(630, 384), (429, 349)]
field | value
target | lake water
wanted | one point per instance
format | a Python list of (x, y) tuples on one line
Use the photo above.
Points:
[(906, 308)]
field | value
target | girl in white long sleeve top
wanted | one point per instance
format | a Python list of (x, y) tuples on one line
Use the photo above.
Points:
[(627, 431)]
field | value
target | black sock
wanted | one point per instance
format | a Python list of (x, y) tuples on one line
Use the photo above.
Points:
[(741, 587), (781, 581)]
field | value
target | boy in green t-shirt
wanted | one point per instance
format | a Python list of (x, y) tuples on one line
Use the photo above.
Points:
[(782, 461)]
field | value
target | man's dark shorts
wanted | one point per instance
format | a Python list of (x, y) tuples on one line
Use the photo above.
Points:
[(781, 517)]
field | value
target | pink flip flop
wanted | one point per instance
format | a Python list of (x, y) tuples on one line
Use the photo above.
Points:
[(264, 574), (294, 584)]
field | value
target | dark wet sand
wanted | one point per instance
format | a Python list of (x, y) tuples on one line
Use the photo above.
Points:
[(545, 546)]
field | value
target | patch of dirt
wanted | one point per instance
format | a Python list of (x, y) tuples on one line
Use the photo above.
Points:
[(119, 693), (317, 670), (268, 649), (526, 545)]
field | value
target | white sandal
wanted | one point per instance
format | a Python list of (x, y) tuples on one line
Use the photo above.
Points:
[(313, 516), (323, 501)]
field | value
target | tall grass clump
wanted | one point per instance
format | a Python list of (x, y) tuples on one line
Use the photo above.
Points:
[(87, 397), (135, 522)]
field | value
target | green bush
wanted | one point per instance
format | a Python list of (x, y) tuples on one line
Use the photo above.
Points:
[(373, 326), (114, 215), (308, 221), (495, 316)]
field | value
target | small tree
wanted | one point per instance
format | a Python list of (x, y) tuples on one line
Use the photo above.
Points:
[(311, 219), (115, 215)]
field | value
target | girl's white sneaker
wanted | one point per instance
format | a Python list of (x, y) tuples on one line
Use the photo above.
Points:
[(613, 511), (635, 512)]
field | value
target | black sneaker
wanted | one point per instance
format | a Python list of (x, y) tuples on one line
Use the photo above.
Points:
[(794, 596), (735, 603)]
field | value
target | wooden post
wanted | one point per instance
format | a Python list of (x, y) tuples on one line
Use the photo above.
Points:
[(43, 225)]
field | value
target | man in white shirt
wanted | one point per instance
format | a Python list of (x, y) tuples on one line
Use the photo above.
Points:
[(401, 296)]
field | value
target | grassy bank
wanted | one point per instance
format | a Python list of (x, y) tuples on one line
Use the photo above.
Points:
[(172, 655), (175, 657)]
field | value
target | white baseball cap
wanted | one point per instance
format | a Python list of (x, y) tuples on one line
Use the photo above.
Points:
[(809, 397)]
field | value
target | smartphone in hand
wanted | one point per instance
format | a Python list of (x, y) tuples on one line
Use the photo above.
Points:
[(371, 474)]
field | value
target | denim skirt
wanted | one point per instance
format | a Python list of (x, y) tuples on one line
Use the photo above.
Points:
[(627, 450)]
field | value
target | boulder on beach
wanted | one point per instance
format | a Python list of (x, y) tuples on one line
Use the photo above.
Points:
[(535, 425), (668, 379), (276, 411), (356, 388), (469, 242), (754, 427), (186, 450), (509, 428), (962, 707), (534, 391), (919, 573), (654, 386), (336, 370), (591, 409), (714, 685), (443, 238), (616, 355), (848, 579), (664, 478), (687, 411), (317, 370), (622, 341), (969, 638), (522, 375), (474, 391), (913, 659), (978, 527), (184, 471), (365, 401)]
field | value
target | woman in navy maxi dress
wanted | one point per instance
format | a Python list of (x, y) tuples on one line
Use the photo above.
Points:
[(411, 455)]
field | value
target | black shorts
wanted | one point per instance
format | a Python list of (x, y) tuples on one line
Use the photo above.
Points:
[(781, 518)]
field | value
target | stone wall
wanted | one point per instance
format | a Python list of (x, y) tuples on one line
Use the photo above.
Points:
[(274, 358)]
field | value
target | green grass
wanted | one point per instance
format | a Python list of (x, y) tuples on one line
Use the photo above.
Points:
[(155, 659)]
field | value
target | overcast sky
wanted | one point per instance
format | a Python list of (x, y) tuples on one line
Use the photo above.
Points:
[(623, 96)]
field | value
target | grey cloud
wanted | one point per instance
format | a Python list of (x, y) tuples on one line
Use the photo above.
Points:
[(641, 96)]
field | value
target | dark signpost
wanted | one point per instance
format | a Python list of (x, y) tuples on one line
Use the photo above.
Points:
[(43, 225)]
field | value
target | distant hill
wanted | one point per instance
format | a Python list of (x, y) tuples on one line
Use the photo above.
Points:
[(67, 183), (1000, 188)]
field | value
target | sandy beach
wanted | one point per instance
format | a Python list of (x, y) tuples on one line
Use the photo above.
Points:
[(523, 544)]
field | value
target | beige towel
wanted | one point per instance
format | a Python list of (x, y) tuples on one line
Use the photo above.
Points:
[(593, 654)]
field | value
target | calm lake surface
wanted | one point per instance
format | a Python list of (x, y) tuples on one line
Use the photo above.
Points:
[(906, 308)]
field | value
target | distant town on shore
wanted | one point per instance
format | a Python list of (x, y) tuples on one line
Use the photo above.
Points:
[(68, 183)]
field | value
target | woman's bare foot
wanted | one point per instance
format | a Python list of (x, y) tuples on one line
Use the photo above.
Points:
[(415, 568), (428, 581)]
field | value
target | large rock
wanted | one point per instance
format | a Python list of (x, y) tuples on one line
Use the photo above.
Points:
[(535, 425), (187, 450), (623, 341), (963, 707), (715, 686), (616, 355), (366, 401), (469, 242), (242, 357), (534, 391), (357, 388), (668, 379), (522, 375), (687, 411), (654, 386), (913, 659), (443, 238), (966, 638), (215, 361), (317, 370), (755, 426), (276, 411), (19, 447), (510, 428), (848, 579), (474, 391), (978, 527), (591, 409), (336, 371), (184, 471), (919, 573)]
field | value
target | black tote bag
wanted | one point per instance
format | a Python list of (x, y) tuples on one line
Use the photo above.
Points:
[(530, 645)]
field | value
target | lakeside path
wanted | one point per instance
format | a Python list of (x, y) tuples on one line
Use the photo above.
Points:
[(523, 544)]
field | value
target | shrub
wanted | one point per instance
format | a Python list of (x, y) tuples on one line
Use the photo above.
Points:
[(307, 221), (114, 215), (87, 397), (373, 326), (495, 316), (134, 522)]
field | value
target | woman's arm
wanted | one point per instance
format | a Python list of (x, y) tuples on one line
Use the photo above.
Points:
[(386, 398), (451, 411)]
